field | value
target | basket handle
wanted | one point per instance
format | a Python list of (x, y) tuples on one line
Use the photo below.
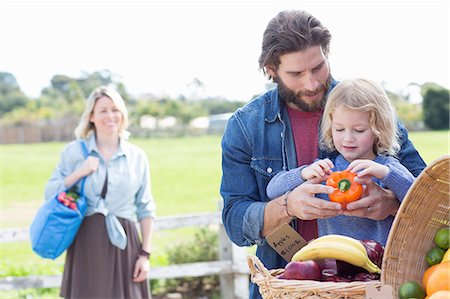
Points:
[(256, 266)]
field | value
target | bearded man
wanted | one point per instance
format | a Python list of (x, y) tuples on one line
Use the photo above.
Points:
[(278, 131)]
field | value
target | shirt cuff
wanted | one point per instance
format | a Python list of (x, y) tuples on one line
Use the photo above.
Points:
[(146, 214), (397, 182), (253, 223), (294, 178)]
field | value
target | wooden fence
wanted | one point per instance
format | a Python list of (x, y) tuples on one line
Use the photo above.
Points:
[(58, 130), (231, 266)]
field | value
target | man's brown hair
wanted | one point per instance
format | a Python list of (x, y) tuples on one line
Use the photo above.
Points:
[(291, 31)]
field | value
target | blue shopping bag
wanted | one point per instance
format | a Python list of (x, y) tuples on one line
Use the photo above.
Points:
[(55, 225)]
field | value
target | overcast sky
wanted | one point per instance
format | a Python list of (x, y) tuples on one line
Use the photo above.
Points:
[(161, 46)]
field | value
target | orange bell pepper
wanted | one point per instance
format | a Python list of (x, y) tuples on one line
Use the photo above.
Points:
[(347, 189)]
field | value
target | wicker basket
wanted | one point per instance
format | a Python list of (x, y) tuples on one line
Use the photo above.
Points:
[(423, 211), (271, 287)]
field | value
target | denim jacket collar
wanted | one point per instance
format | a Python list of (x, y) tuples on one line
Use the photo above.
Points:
[(274, 109)]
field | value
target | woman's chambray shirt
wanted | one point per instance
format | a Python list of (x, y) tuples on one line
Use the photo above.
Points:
[(129, 192), (256, 145)]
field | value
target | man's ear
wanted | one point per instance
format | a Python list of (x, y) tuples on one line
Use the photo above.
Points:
[(271, 70)]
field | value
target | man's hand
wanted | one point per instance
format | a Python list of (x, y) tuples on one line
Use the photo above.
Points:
[(376, 203), (303, 204)]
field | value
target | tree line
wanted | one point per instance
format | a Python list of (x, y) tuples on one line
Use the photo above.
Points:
[(64, 99)]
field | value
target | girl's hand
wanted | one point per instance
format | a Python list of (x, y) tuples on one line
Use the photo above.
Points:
[(368, 168), (141, 269), (318, 169)]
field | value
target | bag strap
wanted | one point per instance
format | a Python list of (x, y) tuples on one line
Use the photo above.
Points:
[(85, 154), (105, 186), (84, 149)]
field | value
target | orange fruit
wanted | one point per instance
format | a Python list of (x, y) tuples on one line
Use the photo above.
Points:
[(426, 275), (439, 279), (439, 295)]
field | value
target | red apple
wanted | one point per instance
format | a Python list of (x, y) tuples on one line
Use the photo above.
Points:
[(73, 206), (302, 270)]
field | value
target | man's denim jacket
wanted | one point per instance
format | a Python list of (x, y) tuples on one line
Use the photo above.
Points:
[(257, 144)]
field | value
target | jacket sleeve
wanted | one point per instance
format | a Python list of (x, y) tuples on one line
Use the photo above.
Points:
[(243, 210), (408, 155)]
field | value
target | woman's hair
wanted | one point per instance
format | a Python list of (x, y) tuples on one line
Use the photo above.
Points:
[(86, 127), (291, 31), (366, 96)]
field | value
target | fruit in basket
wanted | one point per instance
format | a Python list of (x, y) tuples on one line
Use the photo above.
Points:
[(302, 270), (338, 271), (366, 277), (347, 189), (442, 238), (328, 264), (434, 256), (340, 239), (411, 289), (329, 270), (439, 279), (347, 269), (446, 256), (374, 250), (352, 252), (439, 295), (426, 275), (332, 277)]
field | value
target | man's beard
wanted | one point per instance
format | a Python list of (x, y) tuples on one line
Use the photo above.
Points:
[(289, 96)]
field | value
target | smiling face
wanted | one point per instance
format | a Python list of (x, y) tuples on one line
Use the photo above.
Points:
[(106, 117), (352, 133), (302, 78)]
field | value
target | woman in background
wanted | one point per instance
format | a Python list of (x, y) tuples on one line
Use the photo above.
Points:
[(107, 258)]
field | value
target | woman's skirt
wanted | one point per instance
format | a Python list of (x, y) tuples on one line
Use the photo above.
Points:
[(95, 268)]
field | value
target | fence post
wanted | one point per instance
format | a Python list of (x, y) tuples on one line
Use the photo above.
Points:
[(236, 284), (21, 135)]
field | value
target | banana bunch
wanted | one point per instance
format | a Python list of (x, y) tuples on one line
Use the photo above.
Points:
[(337, 247)]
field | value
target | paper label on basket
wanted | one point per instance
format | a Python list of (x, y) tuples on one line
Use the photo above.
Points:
[(385, 292), (286, 241)]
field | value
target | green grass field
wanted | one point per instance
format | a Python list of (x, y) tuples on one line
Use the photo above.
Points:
[(185, 179), (431, 145), (185, 171), (185, 176)]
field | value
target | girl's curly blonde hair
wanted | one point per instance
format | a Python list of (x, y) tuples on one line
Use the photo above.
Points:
[(367, 96)]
